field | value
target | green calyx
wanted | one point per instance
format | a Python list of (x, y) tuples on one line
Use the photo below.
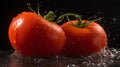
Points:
[(50, 16), (79, 23)]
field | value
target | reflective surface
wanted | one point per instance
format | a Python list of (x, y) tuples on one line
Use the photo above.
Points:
[(108, 58)]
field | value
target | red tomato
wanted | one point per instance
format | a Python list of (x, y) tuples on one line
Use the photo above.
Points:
[(84, 41), (31, 35)]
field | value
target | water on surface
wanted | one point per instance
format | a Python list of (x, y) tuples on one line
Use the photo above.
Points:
[(104, 59)]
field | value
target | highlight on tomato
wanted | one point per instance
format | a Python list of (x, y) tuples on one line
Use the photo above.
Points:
[(33, 35), (83, 37)]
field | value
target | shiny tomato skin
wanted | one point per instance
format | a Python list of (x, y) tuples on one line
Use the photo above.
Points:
[(32, 35), (84, 41)]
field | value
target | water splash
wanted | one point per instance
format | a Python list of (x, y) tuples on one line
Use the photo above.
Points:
[(103, 59), (71, 65)]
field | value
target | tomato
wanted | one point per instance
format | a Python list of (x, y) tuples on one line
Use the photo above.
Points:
[(32, 35), (83, 40)]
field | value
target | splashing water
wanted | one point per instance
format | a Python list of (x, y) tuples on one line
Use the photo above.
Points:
[(103, 59)]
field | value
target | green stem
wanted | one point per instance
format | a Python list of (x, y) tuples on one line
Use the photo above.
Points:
[(79, 23), (38, 11), (28, 4), (50, 16), (60, 18)]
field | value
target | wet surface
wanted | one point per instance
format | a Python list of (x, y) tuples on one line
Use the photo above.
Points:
[(107, 58)]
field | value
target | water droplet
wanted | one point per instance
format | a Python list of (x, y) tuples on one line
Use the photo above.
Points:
[(111, 61), (14, 41), (37, 32), (45, 12), (42, 35), (114, 19), (61, 12), (37, 60), (18, 23), (44, 28), (71, 65), (73, 43), (113, 38), (37, 27)]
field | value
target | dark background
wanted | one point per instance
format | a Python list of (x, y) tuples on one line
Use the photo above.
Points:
[(109, 9)]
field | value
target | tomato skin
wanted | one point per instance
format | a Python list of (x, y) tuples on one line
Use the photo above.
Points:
[(84, 41), (32, 35)]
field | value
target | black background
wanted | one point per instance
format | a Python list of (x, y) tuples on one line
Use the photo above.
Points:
[(109, 9)]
